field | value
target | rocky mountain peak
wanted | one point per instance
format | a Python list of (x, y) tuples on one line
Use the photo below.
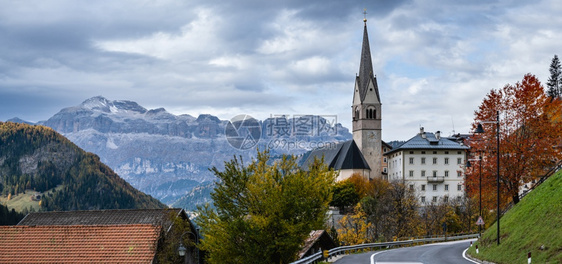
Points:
[(96, 103), (100, 103), (208, 118)]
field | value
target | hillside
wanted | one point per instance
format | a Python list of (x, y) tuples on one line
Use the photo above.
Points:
[(58, 174), (533, 225)]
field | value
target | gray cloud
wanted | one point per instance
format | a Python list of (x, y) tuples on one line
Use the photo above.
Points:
[(434, 60)]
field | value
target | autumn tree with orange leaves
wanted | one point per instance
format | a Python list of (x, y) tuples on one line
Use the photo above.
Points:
[(530, 132)]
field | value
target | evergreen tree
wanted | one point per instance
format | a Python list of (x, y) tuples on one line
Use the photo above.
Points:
[(554, 83)]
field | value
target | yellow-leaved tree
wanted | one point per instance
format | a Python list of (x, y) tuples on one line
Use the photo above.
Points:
[(263, 212)]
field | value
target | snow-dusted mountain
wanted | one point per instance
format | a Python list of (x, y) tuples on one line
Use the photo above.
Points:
[(167, 155)]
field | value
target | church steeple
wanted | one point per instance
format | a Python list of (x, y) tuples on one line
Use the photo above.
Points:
[(366, 68), (367, 111)]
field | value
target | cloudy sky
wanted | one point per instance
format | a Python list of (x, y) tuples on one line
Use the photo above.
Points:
[(435, 60)]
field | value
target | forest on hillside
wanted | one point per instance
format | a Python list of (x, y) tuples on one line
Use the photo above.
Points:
[(38, 158)]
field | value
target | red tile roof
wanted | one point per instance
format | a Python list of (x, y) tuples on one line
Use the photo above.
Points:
[(79, 244)]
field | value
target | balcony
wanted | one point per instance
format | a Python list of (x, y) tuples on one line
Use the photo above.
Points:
[(435, 179)]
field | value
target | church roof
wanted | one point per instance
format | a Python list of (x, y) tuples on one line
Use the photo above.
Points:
[(428, 140), (344, 155), (366, 72)]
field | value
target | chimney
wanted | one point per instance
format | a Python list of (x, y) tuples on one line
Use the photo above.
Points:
[(438, 135), (421, 131)]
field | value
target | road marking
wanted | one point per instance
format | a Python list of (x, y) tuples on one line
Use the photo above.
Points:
[(398, 263), (373, 256), (464, 256)]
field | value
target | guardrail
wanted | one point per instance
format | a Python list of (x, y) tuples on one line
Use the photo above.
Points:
[(341, 250)]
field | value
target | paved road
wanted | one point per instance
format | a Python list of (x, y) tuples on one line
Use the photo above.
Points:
[(439, 253)]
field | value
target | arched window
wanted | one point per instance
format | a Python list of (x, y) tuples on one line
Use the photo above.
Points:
[(356, 117), (371, 113)]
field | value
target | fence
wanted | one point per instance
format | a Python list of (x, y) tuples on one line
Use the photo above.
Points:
[(370, 246)]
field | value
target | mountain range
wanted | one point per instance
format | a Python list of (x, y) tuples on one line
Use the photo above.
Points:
[(168, 156)]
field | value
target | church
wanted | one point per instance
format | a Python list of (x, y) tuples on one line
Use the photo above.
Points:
[(363, 154)]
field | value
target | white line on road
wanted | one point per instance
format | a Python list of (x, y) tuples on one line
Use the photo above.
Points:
[(373, 256), (464, 256), (373, 259)]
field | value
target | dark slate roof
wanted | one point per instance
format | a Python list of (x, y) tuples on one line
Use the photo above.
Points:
[(156, 217), (427, 140), (321, 236), (345, 155), (366, 73)]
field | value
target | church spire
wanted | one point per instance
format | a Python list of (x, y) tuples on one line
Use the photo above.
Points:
[(367, 111), (366, 67)]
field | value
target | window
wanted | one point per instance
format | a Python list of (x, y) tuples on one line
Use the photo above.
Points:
[(422, 160), (434, 199), (385, 160), (459, 198), (459, 160), (435, 187), (434, 173), (411, 160), (411, 152), (434, 160), (446, 152), (423, 199), (446, 187), (446, 161), (423, 187), (423, 152), (446, 199), (459, 173), (423, 173), (446, 173), (459, 152), (411, 173), (459, 187), (434, 152), (384, 170), (411, 187)]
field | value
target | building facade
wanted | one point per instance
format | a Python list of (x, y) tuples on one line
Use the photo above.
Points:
[(431, 165)]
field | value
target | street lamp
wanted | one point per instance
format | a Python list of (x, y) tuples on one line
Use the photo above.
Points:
[(480, 129), (480, 189), (182, 249)]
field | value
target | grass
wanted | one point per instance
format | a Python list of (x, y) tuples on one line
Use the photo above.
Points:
[(534, 225), (23, 200)]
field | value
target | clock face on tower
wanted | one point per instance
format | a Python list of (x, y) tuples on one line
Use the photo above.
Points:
[(372, 136)]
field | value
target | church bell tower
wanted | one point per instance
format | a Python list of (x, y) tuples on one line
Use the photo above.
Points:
[(366, 111)]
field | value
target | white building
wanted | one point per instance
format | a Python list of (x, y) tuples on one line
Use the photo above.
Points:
[(430, 164)]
